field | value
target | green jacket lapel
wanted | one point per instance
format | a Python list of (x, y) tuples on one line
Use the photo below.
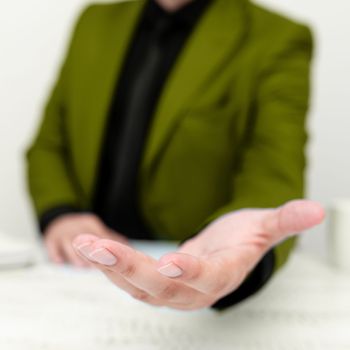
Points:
[(117, 33)]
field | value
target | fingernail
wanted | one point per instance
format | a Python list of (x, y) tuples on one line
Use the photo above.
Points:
[(170, 270), (103, 256), (85, 249)]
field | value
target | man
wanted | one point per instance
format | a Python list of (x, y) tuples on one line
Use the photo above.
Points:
[(167, 118)]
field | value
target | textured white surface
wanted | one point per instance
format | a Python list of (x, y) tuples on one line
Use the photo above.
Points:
[(306, 306)]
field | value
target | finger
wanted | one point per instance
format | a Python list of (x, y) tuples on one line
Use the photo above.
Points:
[(139, 270), (143, 296), (72, 257), (83, 244), (292, 218), (54, 251), (212, 276)]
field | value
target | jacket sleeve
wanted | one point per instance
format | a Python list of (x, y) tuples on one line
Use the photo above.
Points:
[(271, 167), (49, 174)]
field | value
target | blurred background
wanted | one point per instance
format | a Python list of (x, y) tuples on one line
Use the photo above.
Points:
[(32, 47)]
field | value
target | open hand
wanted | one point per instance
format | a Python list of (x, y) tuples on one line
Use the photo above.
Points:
[(205, 268)]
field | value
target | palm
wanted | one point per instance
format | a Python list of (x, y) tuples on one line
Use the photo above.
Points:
[(206, 267)]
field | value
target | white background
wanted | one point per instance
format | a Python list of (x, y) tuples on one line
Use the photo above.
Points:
[(33, 35)]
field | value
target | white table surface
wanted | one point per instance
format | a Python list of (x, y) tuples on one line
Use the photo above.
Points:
[(305, 306)]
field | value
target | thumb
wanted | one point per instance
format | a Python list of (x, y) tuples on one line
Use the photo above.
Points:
[(292, 218)]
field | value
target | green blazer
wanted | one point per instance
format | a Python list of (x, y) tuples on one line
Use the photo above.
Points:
[(228, 131)]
